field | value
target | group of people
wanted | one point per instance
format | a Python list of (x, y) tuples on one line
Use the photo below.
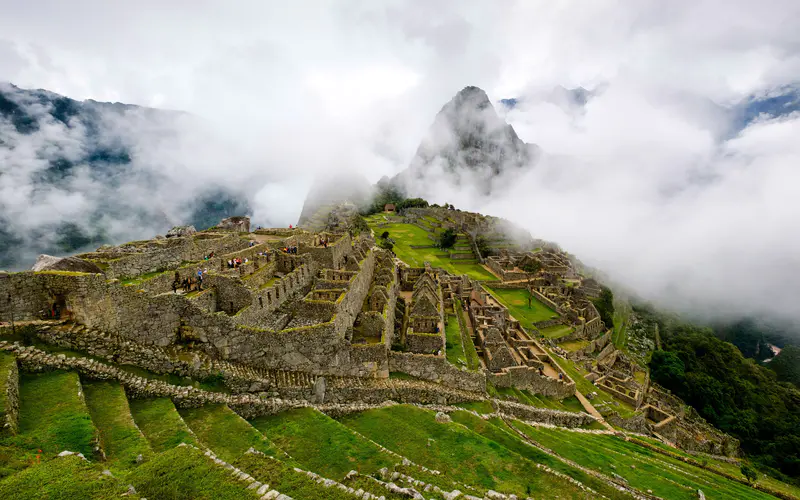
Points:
[(190, 283), (292, 250), (235, 263), (323, 242)]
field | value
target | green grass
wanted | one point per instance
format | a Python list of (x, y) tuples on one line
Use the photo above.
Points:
[(226, 433), (63, 478), (483, 407), (453, 348), (516, 300), (121, 440), (574, 345), (473, 361), (464, 455), (183, 473), (556, 331), (642, 468), (322, 444), (405, 235), (284, 478), (161, 424), (499, 432), (53, 417), (138, 280), (7, 362)]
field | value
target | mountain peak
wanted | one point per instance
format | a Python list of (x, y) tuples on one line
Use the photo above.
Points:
[(468, 135)]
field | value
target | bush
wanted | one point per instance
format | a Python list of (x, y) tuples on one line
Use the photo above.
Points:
[(447, 239)]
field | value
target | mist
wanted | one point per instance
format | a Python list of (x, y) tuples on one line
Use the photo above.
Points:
[(648, 181)]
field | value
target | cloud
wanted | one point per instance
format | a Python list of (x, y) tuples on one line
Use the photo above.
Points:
[(643, 182)]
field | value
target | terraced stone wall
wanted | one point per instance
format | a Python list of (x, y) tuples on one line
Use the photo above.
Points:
[(177, 251), (523, 377), (9, 413), (425, 343), (436, 369), (544, 415)]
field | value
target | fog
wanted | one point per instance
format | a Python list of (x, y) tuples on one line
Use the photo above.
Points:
[(645, 182)]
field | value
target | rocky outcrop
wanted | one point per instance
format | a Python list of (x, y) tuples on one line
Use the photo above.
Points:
[(70, 264), (180, 231), (236, 223)]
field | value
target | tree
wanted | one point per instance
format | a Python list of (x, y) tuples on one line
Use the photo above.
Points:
[(787, 365), (532, 266), (667, 369), (447, 239), (385, 235), (605, 306), (749, 473)]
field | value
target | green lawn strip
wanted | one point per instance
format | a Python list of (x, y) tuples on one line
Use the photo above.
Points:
[(642, 468), (227, 434), (732, 469), (7, 363), (282, 477), (473, 362), (53, 416), (63, 478), (465, 456), (367, 483), (183, 473), (406, 235), (321, 444), (557, 331), (453, 348), (497, 430), (483, 407), (516, 300), (161, 424), (122, 441)]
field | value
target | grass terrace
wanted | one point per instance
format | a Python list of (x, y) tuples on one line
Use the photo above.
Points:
[(406, 235), (516, 300), (454, 349), (225, 432), (321, 444), (556, 331), (640, 467), (53, 416), (63, 478), (464, 455), (185, 472), (122, 441), (498, 431), (160, 422)]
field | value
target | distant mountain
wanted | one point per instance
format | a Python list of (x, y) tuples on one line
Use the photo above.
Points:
[(77, 174), (469, 139), (332, 189)]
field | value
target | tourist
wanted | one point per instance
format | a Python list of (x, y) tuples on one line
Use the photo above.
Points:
[(175, 285)]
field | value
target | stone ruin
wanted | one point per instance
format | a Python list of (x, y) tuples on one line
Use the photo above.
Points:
[(237, 223)]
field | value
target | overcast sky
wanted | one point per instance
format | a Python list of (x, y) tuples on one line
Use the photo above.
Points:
[(638, 183)]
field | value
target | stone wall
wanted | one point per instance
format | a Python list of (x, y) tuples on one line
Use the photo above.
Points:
[(9, 414), (544, 300), (436, 369), (523, 377), (544, 415), (594, 346), (425, 343), (176, 251)]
